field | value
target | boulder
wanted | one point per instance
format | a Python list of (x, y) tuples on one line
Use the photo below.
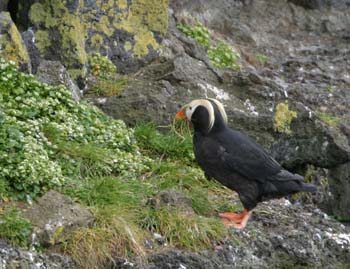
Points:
[(54, 73), (127, 32), (55, 216), (12, 47), (174, 201)]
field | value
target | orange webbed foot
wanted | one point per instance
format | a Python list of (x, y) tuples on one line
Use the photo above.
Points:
[(239, 221)]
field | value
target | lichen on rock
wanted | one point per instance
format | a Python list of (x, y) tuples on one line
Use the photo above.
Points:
[(78, 28), (64, 28), (12, 47), (284, 117)]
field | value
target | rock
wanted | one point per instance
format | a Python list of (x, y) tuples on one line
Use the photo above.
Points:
[(28, 37), (3, 5), (12, 258), (339, 185), (278, 235), (316, 4), (129, 33), (173, 200), (12, 47), (54, 73), (55, 216)]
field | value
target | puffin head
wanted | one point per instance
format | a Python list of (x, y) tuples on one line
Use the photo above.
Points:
[(206, 115)]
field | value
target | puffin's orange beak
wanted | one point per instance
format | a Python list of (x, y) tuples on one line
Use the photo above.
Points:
[(180, 115)]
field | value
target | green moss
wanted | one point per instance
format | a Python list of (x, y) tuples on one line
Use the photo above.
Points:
[(283, 118), (43, 41)]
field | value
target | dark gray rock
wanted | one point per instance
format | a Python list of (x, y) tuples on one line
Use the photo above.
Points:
[(55, 216), (278, 235), (28, 37), (54, 73), (339, 184), (13, 258), (3, 5), (173, 200), (316, 4)]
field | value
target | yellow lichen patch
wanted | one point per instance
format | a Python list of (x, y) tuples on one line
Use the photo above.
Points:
[(104, 26), (142, 19), (142, 41), (75, 73), (73, 40), (37, 13), (151, 13), (12, 47), (284, 117), (122, 4), (127, 46), (54, 16), (96, 41), (105, 5), (43, 41)]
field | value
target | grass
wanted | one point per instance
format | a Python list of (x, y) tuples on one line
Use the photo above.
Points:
[(167, 144), (329, 119), (110, 86), (15, 228), (184, 231), (124, 218)]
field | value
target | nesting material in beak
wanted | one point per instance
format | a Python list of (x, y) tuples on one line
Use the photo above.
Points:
[(180, 115)]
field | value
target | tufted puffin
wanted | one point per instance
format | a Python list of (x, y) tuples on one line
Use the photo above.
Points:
[(237, 161)]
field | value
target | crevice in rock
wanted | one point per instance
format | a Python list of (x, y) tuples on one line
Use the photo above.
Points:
[(19, 11), (12, 7)]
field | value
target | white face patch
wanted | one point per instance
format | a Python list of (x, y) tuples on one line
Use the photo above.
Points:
[(221, 109), (191, 107)]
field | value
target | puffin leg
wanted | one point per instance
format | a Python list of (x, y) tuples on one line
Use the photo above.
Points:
[(239, 221)]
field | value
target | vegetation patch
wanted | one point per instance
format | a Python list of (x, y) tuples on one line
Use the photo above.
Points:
[(101, 66), (329, 119), (47, 137), (261, 58), (283, 118), (14, 227), (49, 141), (220, 54)]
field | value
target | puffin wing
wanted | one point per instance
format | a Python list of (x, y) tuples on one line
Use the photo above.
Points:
[(242, 155)]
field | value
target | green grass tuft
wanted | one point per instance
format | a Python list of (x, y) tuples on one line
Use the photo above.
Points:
[(15, 228), (183, 231), (169, 144)]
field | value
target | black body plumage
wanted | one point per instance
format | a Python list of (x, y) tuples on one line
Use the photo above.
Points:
[(239, 163)]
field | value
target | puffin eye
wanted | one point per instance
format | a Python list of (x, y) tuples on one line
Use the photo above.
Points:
[(190, 108)]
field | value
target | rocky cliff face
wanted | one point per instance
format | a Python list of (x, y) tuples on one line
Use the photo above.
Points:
[(291, 94)]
